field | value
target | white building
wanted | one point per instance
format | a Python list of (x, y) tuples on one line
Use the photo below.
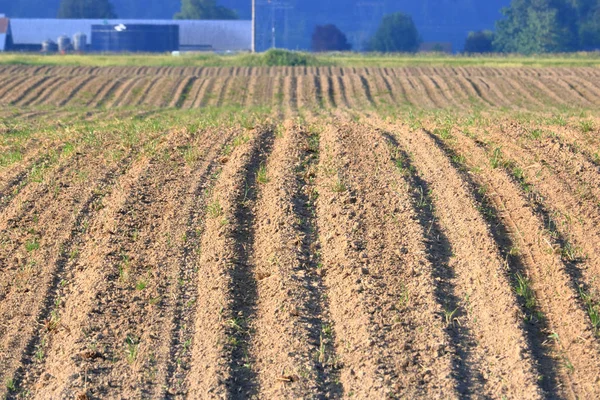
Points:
[(194, 35)]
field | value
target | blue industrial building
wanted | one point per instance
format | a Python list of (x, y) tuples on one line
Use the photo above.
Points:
[(28, 34)]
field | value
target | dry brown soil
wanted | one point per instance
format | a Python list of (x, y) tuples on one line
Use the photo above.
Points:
[(379, 233)]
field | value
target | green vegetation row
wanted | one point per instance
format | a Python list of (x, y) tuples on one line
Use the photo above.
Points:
[(289, 58)]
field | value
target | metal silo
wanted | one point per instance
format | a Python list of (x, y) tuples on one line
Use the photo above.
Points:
[(64, 44), (49, 46), (80, 42), (134, 38)]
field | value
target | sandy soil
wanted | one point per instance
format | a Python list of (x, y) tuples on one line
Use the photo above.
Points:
[(342, 247)]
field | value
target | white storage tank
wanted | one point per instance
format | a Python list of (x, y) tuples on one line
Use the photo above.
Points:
[(49, 46), (80, 42), (64, 44)]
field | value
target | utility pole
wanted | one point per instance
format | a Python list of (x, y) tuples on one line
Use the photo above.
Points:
[(265, 31), (272, 25), (253, 26)]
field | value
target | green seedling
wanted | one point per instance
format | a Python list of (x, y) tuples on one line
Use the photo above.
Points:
[(133, 345), (449, 316), (523, 289), (339, 186), (536, 134), (261, 175), (586, 126), (214, 209), (32, 245), (496, 160)]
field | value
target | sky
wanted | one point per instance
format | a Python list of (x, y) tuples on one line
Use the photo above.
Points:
[(294, 20)]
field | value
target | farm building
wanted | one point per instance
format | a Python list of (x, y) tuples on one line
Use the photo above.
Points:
[(5, 35), (194, 35)]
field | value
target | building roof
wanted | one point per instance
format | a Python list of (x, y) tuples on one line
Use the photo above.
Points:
[(4, 25), (231, 35), (4, 31)]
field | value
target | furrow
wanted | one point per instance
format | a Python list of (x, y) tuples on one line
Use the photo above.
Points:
[(254, 83), (222, 88), (318, 91), (142, 98), (220, 363), (172, 379), (433, 91), (568, 185), (121, 95), (78, 346), (549, 96), (85, 81), (421, 91), (293, 341), (238, 91), (106, 93), (10, 87), (140, 304), (582, 88), (290, 94), (441, 83), (182, 92), (30, 86), (589, 85), (304, 94), (326, 83), (194, 91), (161, 94), (340, 92), (570, 363), (373, 253), (473, 91), (206, 93), (43, 94), (411, 93), (366, 88), (482, 90), (496, 92), (521, 96), (500, 362), (17, 195), (44, 305), (90, 92)]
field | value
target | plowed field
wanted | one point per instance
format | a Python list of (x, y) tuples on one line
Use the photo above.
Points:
[(299, 233), (290, 88)]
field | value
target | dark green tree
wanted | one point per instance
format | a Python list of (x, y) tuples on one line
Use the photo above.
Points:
[(588, 13), (479, 42), (589, 32), (79, 9), (329, 38), (204, 9), (396, 33), (537, 26)]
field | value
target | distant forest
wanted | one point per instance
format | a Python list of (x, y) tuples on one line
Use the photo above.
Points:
[(295, 20)]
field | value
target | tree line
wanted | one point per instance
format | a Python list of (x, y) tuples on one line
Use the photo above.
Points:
[(190, 9), (527, 26)]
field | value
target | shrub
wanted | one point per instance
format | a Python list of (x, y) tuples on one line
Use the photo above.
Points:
[(479, 42), (278, 57), (329, 38)]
